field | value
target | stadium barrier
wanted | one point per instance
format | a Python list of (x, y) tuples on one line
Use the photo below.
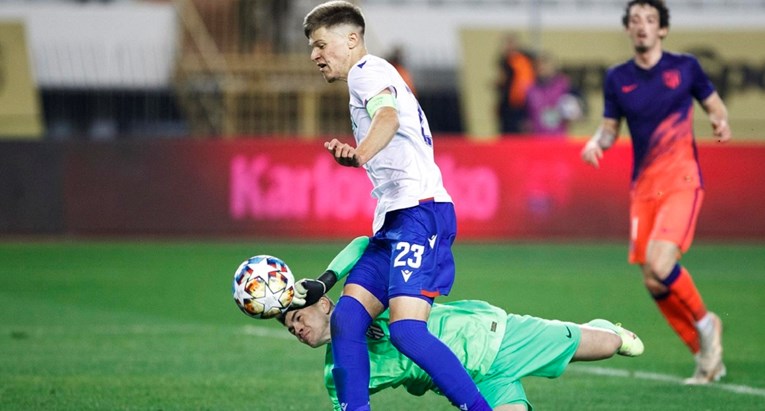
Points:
[(508, 189)]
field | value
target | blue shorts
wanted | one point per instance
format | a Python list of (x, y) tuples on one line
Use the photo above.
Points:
[(411, 254)]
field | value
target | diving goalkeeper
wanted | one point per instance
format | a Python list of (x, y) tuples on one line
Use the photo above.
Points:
[(496, 348)]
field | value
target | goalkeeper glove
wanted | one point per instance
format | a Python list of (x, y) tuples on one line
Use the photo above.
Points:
[(308, 291)]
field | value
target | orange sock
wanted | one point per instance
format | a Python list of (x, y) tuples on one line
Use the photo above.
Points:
[(684, 288), (679, 319), (682, 306)]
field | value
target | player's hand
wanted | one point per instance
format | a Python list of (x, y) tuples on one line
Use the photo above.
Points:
[(592, 153), (721, 130), (307, 292), (344, 154)]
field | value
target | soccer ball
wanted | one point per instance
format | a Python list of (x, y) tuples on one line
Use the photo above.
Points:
[(263, 287)]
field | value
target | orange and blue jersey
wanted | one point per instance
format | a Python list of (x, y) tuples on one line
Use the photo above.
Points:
[(658, 106)]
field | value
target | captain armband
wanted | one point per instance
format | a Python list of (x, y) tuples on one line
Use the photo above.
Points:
[(379, 101)]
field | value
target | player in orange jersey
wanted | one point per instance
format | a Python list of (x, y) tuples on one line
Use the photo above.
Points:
[(654, 91)]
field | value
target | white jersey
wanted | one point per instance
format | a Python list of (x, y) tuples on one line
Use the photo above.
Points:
[(404, 172)]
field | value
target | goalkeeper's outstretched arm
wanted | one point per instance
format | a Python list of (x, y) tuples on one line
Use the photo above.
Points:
[(308, 291)]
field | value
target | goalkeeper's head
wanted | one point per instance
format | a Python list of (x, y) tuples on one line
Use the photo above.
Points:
[(310, 325)]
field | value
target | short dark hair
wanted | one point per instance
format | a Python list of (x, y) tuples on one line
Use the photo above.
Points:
[(333, 13), (657, 4), (282, 317)]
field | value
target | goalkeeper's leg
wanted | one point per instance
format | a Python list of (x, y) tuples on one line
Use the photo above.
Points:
[(598, 342)]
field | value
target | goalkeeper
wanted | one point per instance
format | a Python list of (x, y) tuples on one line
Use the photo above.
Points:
[(496, 348)]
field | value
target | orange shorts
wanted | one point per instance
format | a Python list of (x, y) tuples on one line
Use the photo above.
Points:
[(671, 218)]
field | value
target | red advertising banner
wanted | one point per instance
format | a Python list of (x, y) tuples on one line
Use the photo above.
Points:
[(292, 188)]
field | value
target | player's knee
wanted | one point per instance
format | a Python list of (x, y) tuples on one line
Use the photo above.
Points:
[(654, 286), (651, 269), (658, 266)]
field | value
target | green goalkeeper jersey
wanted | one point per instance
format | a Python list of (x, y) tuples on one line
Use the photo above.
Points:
[(472, 329)]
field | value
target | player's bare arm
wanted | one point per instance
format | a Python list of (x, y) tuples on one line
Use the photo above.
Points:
[(603, 139), (384, 126), (718, 116)]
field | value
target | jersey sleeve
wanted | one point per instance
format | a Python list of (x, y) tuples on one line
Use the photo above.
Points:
[(610, 104), (701, 87), (368, 79), (347, 258)]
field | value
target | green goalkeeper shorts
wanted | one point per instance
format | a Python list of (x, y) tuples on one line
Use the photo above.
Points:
[(531, 347)]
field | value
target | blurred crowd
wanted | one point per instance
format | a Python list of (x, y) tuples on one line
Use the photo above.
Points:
[(534, 96)]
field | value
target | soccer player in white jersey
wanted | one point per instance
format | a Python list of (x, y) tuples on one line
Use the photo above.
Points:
[(408, 261)]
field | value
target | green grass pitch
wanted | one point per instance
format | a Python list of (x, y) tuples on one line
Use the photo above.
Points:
[(151, 325)]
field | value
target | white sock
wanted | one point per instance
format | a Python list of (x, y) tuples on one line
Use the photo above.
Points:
[(705, 325)]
